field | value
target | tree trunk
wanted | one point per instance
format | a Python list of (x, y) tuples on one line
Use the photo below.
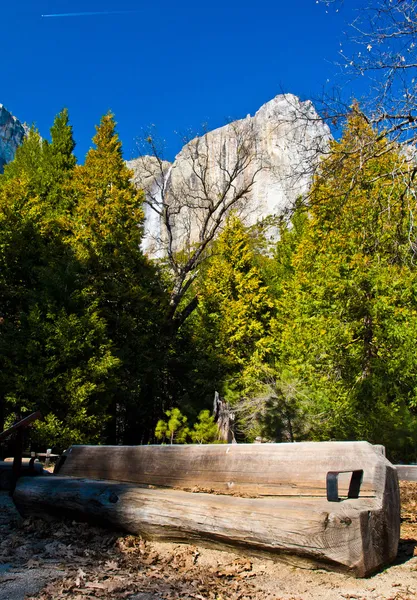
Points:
[(224, 418)]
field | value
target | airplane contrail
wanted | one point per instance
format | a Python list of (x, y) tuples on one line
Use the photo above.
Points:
[(91, 14)]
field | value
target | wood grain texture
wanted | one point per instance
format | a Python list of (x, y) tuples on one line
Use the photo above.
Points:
[(349, 534), (407, 472), (250, 469)]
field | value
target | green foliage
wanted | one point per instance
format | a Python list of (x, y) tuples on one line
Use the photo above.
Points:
[(289, 240), (109, 210), (28, 163), (348, 315), (278, 408), (174, 429), (107, 234), (80, 334), (46, 168), (61, 150), (205, 430), (311, 339), (55, 353), (235, 308)]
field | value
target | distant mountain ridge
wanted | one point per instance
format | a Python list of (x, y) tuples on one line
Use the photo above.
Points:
[(12, 132)]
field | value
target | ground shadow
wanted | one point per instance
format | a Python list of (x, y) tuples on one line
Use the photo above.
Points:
[(406, 550)]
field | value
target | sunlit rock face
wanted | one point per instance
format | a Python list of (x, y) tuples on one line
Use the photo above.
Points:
[(12, 133), (269, 159), (151, 175)]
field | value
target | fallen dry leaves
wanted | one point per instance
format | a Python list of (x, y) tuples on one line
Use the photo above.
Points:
[(408, 491), (101, 564), (136, 567), (98, 563)]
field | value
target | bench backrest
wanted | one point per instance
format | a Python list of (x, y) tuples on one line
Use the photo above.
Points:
[(298, 469)]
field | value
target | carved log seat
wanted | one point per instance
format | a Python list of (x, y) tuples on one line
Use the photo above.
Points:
[(329, 502)]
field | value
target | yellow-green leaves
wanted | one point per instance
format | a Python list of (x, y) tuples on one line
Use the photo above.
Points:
[(235, 302), (174, 429), (109, 212), (79, 302), (348, 313)]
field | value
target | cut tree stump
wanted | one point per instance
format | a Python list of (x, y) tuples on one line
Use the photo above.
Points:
[(271, 497)]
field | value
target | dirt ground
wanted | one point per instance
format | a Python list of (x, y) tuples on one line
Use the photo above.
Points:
[(60, 560)]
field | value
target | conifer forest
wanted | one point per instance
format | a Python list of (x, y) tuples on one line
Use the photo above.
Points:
[(309, 337), (304, 323)]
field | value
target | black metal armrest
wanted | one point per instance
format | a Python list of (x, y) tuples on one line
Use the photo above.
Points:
[(332, 484)]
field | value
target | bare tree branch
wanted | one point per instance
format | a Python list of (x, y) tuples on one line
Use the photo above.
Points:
[(192, 198)]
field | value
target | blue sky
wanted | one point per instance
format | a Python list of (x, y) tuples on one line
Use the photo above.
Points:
[(172, 64)]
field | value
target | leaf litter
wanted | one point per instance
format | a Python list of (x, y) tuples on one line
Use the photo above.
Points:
[(96, 563)]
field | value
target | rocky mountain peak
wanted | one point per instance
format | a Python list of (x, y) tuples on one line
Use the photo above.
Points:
[(12, 132), (257, 166)]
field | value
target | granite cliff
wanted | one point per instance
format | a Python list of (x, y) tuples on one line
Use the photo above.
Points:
[(12, 133), (258, 166)]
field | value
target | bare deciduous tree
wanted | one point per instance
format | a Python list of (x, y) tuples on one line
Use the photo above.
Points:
[(385, 37), (279, 412), (187, 203), (381, 52)]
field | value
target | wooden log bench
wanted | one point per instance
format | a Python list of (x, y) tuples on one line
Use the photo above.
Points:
[(407, 472), (28, 468), (330, 502)]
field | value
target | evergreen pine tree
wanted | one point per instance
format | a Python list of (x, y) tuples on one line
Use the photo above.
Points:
[(107, 234), (27, 165), (109, 210), (350, 313), (54, 352), (236, 309), (62, 143)]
